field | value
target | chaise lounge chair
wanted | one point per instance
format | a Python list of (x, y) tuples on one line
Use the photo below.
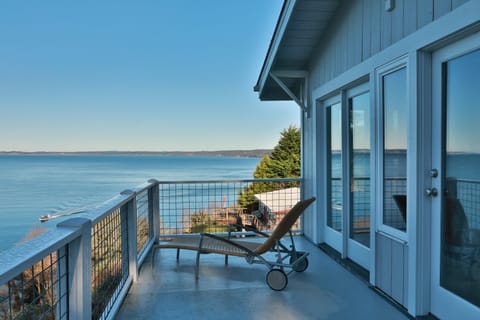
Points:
[(252, 251)]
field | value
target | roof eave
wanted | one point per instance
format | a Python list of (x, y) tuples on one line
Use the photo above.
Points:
[(300, 27), (277, 36)]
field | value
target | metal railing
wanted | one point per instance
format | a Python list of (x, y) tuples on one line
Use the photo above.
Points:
[(468, 194), (394, 215), (360, 199), (82, 269), (39, 289), (210, 206), (361, 208)]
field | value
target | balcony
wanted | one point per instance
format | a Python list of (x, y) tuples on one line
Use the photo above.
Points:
[(325, 290), (92, 266)]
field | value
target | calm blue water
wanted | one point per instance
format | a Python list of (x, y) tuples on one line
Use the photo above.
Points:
[(31, 186), (458, 165)]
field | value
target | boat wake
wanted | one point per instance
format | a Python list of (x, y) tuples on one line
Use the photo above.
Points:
[(63, 213)]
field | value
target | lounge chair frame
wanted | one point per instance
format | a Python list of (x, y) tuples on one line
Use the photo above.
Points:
[(279, 269)]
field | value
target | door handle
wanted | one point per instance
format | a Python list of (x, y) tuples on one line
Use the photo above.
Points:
[(431, 192)]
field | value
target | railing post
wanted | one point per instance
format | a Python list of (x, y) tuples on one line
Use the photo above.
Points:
[(154, 208), (129, 216), (79, 269), (62, 269)]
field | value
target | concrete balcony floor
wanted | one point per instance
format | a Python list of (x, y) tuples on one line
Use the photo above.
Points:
[(326, 290)]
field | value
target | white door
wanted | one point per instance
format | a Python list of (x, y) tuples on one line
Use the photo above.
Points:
[(455, 189), (358, 185), (333, 225), (347, 219)]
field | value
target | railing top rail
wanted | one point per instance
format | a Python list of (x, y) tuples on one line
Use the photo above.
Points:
[(99, 212), (16, 259), (144, 186), (232, 181), (463, 180)]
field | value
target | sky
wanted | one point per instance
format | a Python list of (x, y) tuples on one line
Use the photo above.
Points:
[(463, 109), (137, 75)]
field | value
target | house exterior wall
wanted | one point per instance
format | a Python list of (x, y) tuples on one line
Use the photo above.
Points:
[(363, 38), (362, 28)]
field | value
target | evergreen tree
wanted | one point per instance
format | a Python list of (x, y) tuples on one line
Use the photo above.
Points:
[(285, 159), (284, 162)]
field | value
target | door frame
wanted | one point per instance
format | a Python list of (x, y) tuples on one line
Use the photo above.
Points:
[(402, 62), (354, 249), (444, 303), (332, 237), (341, 241)]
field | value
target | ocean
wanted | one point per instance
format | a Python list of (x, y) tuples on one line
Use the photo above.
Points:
[(31, 186)]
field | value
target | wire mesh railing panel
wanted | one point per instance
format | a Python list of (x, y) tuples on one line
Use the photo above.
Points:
[(468, 193), (394, 203), (194, 207), (39, 292), (109, 262), (334, 217), (360, 205), (101, 236), (143, 220)]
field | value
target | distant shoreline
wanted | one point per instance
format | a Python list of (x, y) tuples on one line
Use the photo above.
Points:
[(255, 153)]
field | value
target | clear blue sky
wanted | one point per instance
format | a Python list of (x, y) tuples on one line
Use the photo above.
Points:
[(137, 75)]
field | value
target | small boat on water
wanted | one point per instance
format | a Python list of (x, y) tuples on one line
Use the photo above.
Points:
[(44, 218)]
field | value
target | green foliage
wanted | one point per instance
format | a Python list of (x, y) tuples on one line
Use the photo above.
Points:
[(202, 221), (210, 228), (201, 217), (285, 159), (283, 163)]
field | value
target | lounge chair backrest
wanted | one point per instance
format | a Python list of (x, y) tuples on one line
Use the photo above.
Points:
[(284, 225)]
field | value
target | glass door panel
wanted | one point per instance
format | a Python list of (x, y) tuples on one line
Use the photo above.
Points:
[(395, 149), (334, 167), (360, 168), (460, 225), (455, 257), (347, 183)]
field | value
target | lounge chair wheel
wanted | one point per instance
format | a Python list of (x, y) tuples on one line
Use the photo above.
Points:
[(277, 279), (301, 265)]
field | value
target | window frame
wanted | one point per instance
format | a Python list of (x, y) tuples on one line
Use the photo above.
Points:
[(380, 73)]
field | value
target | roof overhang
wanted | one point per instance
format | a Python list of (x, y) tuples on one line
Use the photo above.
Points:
[(300, 27)]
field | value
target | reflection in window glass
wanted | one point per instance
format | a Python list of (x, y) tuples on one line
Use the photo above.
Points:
[(360, 168), (334, 166), (460, 263), (395, 149)]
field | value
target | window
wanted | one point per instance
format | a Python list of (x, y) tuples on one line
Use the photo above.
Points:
[(334, 166), (394, 107), (359, 107)]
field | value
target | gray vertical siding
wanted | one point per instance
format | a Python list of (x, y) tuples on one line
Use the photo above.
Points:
[(424, 12), (410, 16), (362, 28), (441, 7)]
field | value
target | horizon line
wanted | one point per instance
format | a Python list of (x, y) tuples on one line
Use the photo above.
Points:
[(137, 151)]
